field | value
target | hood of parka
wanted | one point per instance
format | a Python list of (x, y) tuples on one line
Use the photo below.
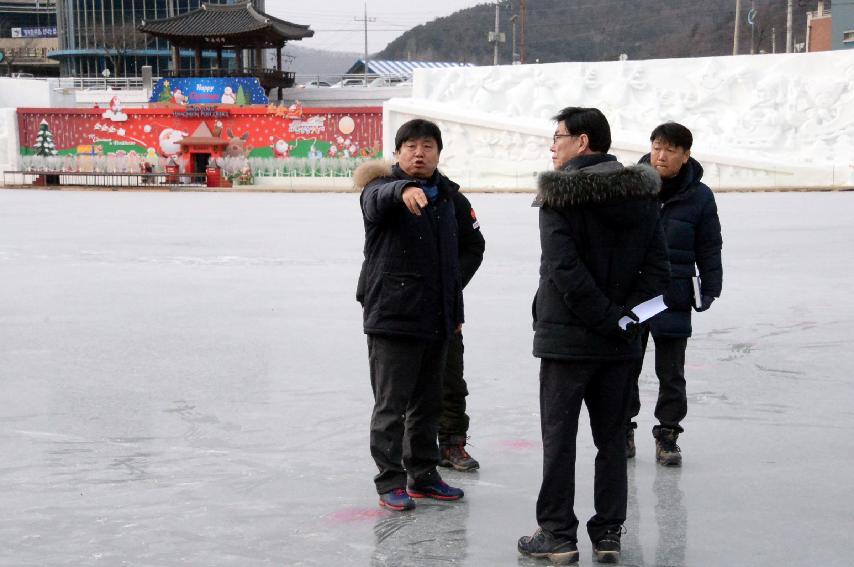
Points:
[(608, 190), (370, 170), (375, 169)]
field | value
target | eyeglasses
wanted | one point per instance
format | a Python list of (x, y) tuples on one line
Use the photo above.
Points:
[(556, 136)]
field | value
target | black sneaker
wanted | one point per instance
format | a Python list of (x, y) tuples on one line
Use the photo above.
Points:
[(456, 457), (543, 544), (667, 452), (607, 549)]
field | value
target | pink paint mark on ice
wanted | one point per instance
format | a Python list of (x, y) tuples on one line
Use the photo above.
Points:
[(350, 515), (519, 444)]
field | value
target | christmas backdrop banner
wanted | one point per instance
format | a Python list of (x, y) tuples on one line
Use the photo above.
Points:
[(262, 131)]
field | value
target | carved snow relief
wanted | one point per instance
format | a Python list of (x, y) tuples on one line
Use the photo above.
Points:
[(782, 120)]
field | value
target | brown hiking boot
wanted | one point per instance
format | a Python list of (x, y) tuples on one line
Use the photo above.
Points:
[(607, 549), (667, 452), (455, 456)]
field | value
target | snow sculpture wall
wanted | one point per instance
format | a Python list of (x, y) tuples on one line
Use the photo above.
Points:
[(759, 121)]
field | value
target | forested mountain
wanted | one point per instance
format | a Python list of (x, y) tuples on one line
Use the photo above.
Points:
[(304, 60), (601, 30)]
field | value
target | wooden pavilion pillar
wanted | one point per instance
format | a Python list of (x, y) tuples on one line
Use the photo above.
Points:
[(219, 57), (176, 59), (238, 55), (198, 61), (259, 58), (279, 91)]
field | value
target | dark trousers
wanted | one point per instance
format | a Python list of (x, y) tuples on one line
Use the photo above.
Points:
[(454, 423), (672, 404), (604, 387), (406, 377)]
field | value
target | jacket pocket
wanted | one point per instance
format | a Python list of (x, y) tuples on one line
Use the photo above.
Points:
[(402, 295)]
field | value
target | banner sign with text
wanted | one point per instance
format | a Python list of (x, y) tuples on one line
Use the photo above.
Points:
[(240, 91), (45, 31)]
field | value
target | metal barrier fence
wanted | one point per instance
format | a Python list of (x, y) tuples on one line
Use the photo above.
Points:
[(93, 83), (111, 180)]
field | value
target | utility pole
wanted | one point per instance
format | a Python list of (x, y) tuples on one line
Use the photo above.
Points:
[(737, 22), (773, 40), (513, 56), (751, 19), (495, 53), (523, 20), (366, 19), (789, 9), (496, 37)]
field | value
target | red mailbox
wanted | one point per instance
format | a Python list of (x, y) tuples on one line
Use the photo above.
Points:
[(214, 176), (172, 174)]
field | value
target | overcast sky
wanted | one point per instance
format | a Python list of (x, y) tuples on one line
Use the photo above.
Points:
[(336, 28)]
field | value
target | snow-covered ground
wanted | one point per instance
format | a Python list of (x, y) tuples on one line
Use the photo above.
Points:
[(184, 381)]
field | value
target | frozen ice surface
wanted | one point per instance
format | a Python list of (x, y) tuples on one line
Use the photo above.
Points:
[(184, 382)]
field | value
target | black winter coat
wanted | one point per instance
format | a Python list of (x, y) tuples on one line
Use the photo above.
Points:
[(690, 219), (603, 251), (411, 280)]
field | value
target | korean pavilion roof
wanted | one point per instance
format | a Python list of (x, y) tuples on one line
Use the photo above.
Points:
[(227, 26)]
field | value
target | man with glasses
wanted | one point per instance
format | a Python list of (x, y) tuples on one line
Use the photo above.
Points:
[(603, 252)]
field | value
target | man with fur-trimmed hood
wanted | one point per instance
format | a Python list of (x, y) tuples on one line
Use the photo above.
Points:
[(410, 288), (603, 251)]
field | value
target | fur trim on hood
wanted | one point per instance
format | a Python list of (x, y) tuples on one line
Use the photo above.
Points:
[(370, 170), (561, 188)]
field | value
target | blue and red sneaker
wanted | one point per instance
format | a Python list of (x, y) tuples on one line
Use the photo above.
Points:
[(397, 500), (438, 489)]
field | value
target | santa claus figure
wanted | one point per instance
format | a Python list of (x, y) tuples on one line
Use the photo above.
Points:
[(170, 141), (114, 111), (281, 149), (179, 98)]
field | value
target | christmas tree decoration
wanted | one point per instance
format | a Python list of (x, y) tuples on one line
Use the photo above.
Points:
[(241, 97), (44, 145), (166, 93)]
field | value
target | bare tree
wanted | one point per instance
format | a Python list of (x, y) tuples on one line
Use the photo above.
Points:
[(18, 52), (115, 42)]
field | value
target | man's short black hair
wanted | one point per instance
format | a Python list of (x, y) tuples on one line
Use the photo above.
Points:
[(673, 133), (588, 121), (415, 130)]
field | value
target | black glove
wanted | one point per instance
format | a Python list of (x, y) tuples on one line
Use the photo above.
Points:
[(633, 328), (705, 303)]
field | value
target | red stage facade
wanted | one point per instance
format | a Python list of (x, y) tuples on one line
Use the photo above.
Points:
[(157, 135)]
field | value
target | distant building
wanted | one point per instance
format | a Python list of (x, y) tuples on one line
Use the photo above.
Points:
[(819, 30), (27, 35), (387, 68), (843, 25), (98, 35)]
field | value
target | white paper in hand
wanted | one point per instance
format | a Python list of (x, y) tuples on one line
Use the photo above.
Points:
[(644, 311)]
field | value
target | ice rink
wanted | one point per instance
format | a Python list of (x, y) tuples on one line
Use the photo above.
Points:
[(184, 381)]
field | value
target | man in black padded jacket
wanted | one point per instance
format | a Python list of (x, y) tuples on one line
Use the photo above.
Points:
[(689, 216), (603, 252), (411, 294)]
